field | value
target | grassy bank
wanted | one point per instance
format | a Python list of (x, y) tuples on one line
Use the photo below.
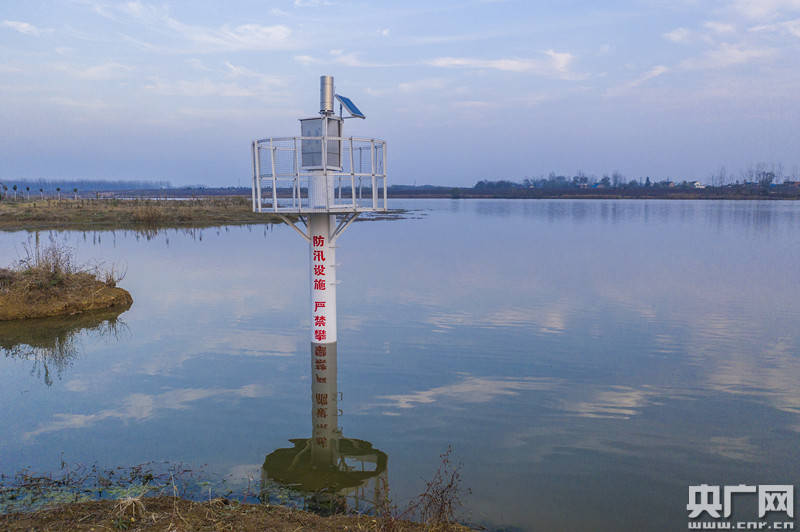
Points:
[(91, 214), (47, 282), (171, 513), (172, 496)]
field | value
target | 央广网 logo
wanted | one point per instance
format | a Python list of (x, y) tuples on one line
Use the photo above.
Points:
[(716, 503)]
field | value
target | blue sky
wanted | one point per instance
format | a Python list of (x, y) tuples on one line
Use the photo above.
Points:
[(461, 90)]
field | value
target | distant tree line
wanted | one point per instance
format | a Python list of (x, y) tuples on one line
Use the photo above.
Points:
[(27, 188), (760, 174)]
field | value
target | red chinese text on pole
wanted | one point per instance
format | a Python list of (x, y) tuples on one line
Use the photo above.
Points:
[(323, 277)]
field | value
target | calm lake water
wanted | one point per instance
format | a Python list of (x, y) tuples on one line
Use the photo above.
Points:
[(586, 360)]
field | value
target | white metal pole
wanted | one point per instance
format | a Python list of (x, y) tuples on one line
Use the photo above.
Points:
[(322, 262)]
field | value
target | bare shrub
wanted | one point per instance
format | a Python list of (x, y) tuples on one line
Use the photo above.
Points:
[(436, 507), (111, 275)]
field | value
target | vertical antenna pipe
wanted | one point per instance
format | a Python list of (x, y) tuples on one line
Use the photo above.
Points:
[(326, 95), (325, 158)]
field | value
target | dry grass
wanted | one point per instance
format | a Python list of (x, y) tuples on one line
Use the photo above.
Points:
[(47, 282), (91, 214), (170, 513)]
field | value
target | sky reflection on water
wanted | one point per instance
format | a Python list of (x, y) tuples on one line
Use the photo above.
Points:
[(588, 360)]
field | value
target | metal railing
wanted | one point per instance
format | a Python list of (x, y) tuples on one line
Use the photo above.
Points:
[(317, 174)]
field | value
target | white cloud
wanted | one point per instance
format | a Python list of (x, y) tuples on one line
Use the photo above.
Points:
[(264, 79), (719, 27), (384, 32), (422, 85), (350, 59), (206, 39), (557, 64), (654, 72), (726, 55), (198, 65), (312, 3), (765, 9), (650, 74), (92, 105), (105, 71), (23, 27), (678, 35), (204, 87), (304, 59), (560, 60), (792, 27)]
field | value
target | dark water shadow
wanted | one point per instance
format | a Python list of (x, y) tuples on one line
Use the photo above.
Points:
[(52, 343)]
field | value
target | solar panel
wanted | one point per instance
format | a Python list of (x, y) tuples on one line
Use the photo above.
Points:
[(350, 106)]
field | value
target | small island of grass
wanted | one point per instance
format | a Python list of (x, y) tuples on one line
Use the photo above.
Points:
[(47, 283)]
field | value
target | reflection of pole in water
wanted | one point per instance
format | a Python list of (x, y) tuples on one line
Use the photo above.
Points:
[(324, 406), (330, 472)]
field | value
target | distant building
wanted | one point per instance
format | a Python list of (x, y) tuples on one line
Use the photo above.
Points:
[(696, 184)]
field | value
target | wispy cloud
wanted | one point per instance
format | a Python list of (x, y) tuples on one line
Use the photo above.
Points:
[(556, 64), (791, 27), (678, 35), (105, 71), (654, 72), (23, 27), (341, 57), (89, 104), (765, 9), (421, 85), (313, 3), (264, 79), (203, 38), (195, 88), (727, 55), (719, 27)]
